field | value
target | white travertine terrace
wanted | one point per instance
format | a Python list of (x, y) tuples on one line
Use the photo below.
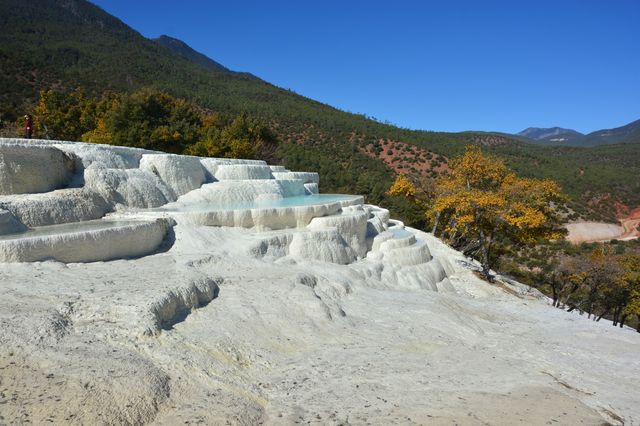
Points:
[(242, 191), (28, 169), (55, 207), (211, 165), (128, 187), (85, 242), (278, 168), (195, 192), (243, 172), (306, 177), (262, 219), (141, 287), (9, 224), (311, 188), (179, 172)]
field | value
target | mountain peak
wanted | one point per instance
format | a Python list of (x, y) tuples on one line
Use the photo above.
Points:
[(187, 52), (629, 133), (552, 134)]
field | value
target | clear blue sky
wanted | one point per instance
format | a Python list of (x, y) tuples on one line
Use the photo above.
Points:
[(435, 65)]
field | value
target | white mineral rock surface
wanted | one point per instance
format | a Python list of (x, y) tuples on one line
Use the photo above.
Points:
[(300, 310)]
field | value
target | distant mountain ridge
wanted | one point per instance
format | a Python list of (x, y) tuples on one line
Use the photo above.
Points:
[(629, 133), (553, 134)]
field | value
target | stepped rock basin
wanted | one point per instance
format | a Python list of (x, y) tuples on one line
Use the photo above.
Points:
[(295, 201), (94, 240), (271, 214)]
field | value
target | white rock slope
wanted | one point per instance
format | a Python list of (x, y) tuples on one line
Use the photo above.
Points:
[(140, 287)]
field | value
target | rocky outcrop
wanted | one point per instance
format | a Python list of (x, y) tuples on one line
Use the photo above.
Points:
[(30, 169), (179, 173), (128, 187), (169, 289)]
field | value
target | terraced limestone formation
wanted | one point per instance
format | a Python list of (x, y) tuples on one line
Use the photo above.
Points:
[(83, 191), (86, 241), (94, 204), (142, 287)]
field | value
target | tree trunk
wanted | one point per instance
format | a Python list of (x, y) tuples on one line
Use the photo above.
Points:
[(453, 237), (602, 314), (435, 225), (485, 247), (573, 289), (554, 292), (486, 269), (622, 319)]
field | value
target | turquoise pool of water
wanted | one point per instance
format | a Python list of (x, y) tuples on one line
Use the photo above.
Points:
[(400, 233)]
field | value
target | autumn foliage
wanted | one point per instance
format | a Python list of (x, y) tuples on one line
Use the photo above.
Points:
[(151, 119), (600, 283), (481, 202), (403, 186)]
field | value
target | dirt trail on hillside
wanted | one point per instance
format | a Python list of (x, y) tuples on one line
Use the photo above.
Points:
[(631, 225), (589, 232)]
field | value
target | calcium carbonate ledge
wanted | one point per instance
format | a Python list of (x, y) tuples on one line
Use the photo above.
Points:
[(90, 241), (262, 218)]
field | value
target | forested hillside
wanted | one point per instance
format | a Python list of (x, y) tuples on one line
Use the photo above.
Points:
[(66, 44)]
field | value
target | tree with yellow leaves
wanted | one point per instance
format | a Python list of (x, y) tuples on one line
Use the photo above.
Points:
[(151, 119), (481, 201), (418, 191), (65, 116), (403, 186), (599, 283)]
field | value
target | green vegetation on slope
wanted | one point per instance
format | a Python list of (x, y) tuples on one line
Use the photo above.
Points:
[(504, 221), (65, 44), (602, 280), (151, 120), (483, 209), (596, 179)]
